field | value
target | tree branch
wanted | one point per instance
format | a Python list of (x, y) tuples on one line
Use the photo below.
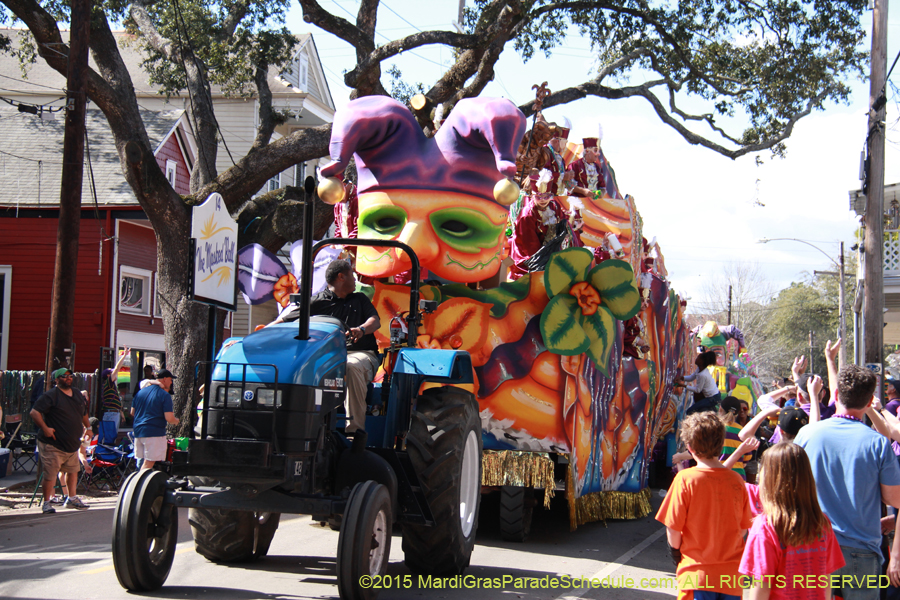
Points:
[(235, 16), (138, 12), (342, 28), (594, 88), (644, 16), (245, 178), (474, 60), (367, 16), (267, 122), (424, 38)]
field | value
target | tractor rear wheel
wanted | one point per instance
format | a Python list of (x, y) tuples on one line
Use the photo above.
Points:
[(516, 508), (231, 535), (444, 445)]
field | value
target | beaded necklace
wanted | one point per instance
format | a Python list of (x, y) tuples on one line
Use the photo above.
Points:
[(849, 418)]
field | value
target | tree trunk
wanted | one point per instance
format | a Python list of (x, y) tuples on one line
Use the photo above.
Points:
[(184, 320)]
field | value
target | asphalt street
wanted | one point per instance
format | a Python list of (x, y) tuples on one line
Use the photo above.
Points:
[(66, 556)]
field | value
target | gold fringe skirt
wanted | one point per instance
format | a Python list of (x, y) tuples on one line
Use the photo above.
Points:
[(599, 506), (521, 469)]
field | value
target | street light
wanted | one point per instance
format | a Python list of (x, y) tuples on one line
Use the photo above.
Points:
[(842, 357)]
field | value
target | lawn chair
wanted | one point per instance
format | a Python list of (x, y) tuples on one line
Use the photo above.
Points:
[(108, 463), (22, 445)]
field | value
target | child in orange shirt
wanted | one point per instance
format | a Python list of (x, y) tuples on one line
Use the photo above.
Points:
[(706, 513)]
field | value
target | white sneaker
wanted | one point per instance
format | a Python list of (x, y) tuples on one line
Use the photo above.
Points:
[(47, 508)]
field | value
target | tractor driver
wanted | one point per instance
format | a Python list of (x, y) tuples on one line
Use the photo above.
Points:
[(341, 300)]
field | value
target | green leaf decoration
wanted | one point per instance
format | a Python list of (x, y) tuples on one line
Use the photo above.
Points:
[(614, 279), (673, 310), (565, 268), (561, 329), (600, 328), (499, 298)]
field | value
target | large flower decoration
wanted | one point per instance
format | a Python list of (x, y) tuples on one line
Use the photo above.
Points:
[(585, 303)]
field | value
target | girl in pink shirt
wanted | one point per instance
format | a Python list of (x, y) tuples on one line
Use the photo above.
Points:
[(791, 550)]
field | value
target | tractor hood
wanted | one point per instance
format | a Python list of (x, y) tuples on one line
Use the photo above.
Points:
[(299, 362)]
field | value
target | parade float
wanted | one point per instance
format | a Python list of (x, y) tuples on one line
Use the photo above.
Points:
[(573, 364), (734, 371)]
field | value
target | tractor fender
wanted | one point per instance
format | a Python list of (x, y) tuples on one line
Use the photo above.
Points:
[(444, 366), (358, 465)]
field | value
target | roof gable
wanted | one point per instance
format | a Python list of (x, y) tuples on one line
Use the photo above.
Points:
[(31, 157)]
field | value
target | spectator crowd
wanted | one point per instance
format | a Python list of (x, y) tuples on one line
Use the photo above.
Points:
[(818, 519)]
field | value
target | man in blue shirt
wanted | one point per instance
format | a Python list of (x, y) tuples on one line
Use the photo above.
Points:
[(855, 471), (152, 409)]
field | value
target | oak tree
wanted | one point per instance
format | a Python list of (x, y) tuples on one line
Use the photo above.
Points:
[(731, 75)]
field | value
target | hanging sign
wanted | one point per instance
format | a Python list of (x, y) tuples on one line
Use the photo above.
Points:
[(215, 256)]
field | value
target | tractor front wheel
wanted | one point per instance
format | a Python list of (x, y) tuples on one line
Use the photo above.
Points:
[(444, 445)]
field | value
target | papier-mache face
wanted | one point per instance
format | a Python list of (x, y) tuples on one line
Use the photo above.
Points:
[(434, 194), (456, 236)]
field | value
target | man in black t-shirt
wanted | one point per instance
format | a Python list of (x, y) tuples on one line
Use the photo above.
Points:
[(61, 415), (356, 310)]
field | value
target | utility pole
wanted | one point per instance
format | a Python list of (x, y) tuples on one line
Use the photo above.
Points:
[(729, 305), (811, 337), (842, 352), (873, 305), (62, 310)]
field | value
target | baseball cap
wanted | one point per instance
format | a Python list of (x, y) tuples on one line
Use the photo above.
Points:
[(792, 419), (803, 381), (731, 404), (164, 373), (61, 372)]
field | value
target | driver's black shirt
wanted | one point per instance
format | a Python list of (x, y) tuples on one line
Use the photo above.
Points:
[(354, 310)]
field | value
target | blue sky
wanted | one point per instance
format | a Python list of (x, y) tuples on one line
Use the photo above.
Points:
[(704, 209)]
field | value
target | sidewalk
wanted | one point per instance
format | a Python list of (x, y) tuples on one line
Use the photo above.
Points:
[(17, 478), (17, 488)]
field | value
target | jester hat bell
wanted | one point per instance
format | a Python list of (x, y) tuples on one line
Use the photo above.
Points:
[(474, 151)]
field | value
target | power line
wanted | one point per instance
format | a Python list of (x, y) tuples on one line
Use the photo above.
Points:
[(400, 16), (434, 62), (31, 83), (36, 160)]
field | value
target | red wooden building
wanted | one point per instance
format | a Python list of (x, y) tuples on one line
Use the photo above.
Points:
[(116, 301)]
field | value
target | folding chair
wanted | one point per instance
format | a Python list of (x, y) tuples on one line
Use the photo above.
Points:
[(108, 463), (22, 445)]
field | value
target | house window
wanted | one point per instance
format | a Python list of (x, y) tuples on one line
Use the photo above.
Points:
[(274, 183), (171, 169), (299, 174), (302, 70), (157, 306), (134, 291)]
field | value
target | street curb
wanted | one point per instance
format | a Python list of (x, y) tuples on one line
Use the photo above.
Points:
[(35, 511)]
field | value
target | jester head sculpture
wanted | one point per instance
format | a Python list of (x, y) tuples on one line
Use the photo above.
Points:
[(447, 197), (711, 338)]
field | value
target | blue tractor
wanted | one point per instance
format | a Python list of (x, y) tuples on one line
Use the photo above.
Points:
[(272, 442)]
